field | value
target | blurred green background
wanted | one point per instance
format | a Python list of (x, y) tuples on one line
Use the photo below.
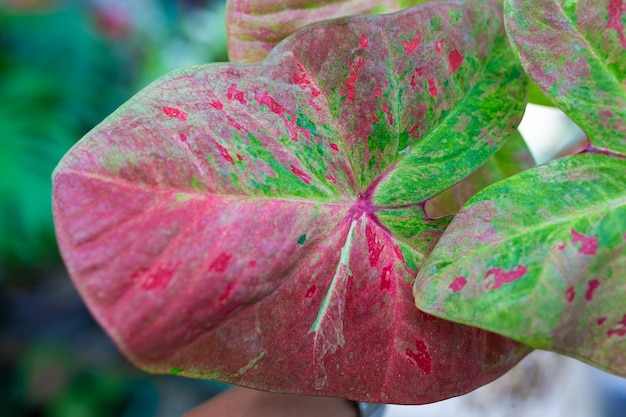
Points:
[(64, 66)]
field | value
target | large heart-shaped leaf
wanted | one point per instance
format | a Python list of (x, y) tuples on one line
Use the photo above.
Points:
[(541, 258), (576, 52), (256, 26), (240, 221)]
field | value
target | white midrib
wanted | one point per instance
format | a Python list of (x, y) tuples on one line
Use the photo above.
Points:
[(344, 260)]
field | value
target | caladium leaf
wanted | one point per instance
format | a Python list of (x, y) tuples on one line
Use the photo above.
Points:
[(540, 257), (226, 223), (576, 52), (256, 26)]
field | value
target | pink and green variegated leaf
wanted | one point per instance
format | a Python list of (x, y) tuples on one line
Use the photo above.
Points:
[(222, 223), (576, 52), (541, 258), (255, 27)]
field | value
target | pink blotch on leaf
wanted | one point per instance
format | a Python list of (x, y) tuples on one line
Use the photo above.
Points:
[(620, 331), (432, 87), (300, 174), (588, 244), (398, 253), (375, 248), (158, 278), (375, 118), (388, 113), (252, 264), (302, 79), (421, 357), (175, 113), (410, 47), (413, 131), (182, 137), (216, 104), (220, 263), (349, 90), (378, 92), (235, 94), (310, 291), (419, 71), (330, 178), (439, 45), (385, 277), (615, 10), (265, 99), (239, 157), (561, 246), (458, 284), (334, 147), (592, 286), (600, 321), (363, 41), (455, 59), (570, 294), (227, 292), (500, 277), (224, 152)]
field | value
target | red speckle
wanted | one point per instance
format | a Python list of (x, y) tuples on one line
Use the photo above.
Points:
[(302, 79), (350, 86), (363, 42), (561, 246), (334, 147), (421, 357), (591, 287), (373, 245), (413, 82), (158, 278), (410, 47), (414, 129), (600, 321), (375, 118), (419, 71), (252, 264), (310, 291), (330, 178), (224, 152), (300, 174), (439, 45), (501, 277), (588, 244), (455, 59), (239, 157), (385, 278), (265, 99), (175, 113), (182, 137), (378, 92), (398, 253), (235, 94), (615, 10), (220, 263), (314, 105), (432, 87), (216, 104), (388, 113), (570, 294), (621, 331), (458, 284), (227, 292)]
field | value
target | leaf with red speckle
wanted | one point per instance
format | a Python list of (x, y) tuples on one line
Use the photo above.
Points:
[(540, 258), (575, 51), (233, 221), (256, 26)]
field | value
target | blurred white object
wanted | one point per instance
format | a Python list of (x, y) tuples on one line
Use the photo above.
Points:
[(548, 132), (543, 384)]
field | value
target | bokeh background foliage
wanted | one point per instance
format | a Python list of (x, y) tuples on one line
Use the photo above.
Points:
[(64, 66)]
